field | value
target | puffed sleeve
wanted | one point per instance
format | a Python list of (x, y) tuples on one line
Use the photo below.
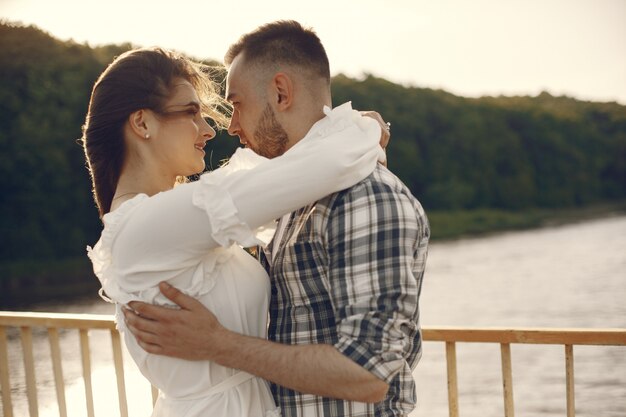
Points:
[(173, 229)]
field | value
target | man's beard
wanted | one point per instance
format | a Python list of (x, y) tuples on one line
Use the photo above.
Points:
[(270, 137)]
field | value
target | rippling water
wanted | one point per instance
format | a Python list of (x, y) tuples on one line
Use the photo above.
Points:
[(567, 276)]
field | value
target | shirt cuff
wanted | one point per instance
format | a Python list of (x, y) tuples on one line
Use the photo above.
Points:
[(382, 355)]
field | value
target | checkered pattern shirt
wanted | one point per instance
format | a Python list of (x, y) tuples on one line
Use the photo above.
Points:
[(348, 272)]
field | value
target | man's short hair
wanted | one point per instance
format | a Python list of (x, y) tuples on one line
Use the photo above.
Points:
[(282, 42)]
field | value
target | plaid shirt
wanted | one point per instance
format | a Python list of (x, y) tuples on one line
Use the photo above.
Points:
[(348, 272)]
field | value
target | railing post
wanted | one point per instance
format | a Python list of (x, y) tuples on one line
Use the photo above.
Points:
[(451, 336), (86, 357), (119, 372), (57, 368), (26, 335), (453, 392), (569, 380), (507, 380), (5, 381)]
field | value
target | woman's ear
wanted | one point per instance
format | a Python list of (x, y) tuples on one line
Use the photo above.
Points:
[(283, 91), (139, 122)]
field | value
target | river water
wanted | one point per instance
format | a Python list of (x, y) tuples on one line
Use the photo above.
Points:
[(565, 276)]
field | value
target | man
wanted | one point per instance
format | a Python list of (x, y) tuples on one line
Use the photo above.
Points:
[(346, 271)]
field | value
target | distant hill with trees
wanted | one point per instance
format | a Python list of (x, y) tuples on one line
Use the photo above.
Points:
[(491, 154)]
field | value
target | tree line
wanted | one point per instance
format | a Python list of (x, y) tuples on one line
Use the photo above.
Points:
[(455, 153)]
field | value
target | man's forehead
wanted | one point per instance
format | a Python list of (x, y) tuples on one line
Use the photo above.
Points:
[(234, 77), (236, 67)]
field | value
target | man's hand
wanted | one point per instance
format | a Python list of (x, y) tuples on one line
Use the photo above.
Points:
[(193, 333), (187, 333)]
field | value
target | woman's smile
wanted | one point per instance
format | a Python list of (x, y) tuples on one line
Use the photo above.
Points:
[(200, 147)]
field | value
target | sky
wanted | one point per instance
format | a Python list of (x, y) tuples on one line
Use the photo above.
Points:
[(470, 48)]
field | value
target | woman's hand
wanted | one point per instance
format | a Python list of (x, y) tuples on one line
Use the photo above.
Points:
[(385, 128)]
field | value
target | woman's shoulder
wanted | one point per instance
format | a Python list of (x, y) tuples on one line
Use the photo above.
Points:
[(116, 218), (112, 221)]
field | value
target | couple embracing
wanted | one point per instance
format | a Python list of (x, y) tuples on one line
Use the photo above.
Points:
[(327, 323)]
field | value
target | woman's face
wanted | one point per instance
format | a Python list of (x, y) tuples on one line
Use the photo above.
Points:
[(181, 132)]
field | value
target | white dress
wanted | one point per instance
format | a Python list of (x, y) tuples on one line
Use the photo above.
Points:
[(190, 237)]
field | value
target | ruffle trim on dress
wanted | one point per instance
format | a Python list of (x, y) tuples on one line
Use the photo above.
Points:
[(226, 226), (100, 254), (202, 281)]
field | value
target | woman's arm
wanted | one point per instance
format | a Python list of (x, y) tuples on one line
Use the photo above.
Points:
[(218, 210)]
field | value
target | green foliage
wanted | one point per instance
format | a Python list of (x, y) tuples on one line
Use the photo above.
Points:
[(45, 207), (455, 223), (489, 155), (448, 224), (509, 153)]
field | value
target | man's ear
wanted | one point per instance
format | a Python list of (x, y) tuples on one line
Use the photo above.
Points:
[(283, 91), (138, 122)]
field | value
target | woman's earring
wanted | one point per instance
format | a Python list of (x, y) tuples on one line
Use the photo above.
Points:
[(147, 135)]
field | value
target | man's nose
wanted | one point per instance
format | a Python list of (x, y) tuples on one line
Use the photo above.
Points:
[(233, 126)]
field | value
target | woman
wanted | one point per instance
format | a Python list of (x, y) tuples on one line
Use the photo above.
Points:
[(145, 130)]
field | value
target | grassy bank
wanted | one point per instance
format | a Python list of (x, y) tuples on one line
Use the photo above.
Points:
[(447, 225), (31, 281)]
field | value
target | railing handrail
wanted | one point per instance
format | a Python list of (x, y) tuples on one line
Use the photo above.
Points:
[(58, 320), (462, 334), (450, 335), (526, 335)]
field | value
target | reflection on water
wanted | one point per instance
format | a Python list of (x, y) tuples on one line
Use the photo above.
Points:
[(105, 396), (568, 276)]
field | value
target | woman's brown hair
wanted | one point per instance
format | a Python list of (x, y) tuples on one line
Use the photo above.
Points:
[(138, 79)]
